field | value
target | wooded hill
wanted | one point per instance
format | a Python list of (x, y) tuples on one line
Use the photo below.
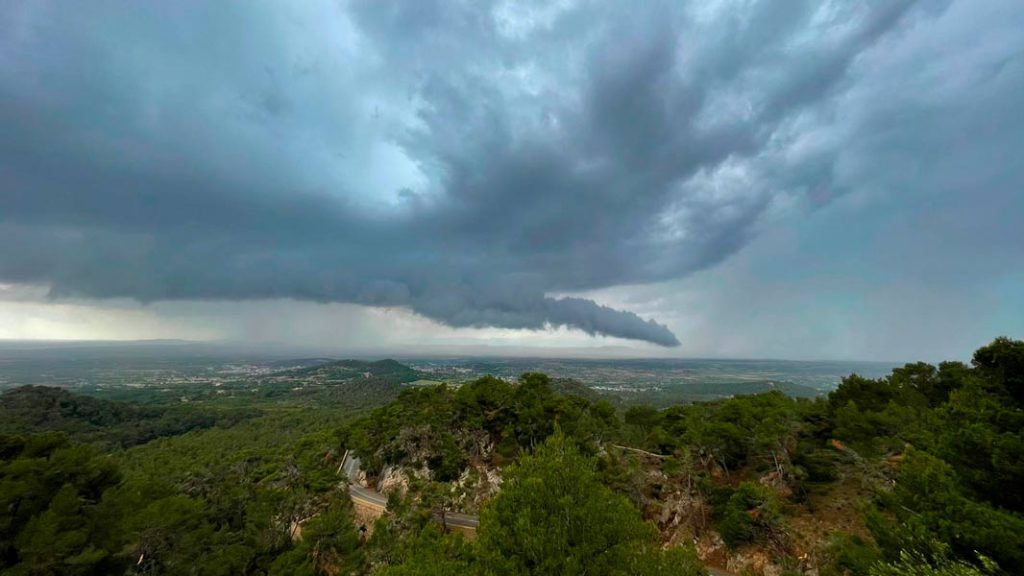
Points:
[(914, 473), (32, 409), (344, 370), (919, 468)]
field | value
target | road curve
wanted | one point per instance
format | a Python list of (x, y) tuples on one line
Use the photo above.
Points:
[(373, 499), (367, 497), (377, 501), (461, 520)]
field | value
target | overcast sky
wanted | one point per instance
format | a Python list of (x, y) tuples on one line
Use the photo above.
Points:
[(794, 179)]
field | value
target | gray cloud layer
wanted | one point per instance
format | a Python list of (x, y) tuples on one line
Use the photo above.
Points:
[(464, 160)]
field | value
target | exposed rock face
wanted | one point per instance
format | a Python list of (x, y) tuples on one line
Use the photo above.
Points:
[(482, 446), (415, 443), (777, 482), (494, 478), (395, 479), (475, 486), (392, 479), (684, 517), (711, 549), (754, 561), (295, 530)]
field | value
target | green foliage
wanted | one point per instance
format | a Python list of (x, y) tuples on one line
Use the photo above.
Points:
[(850, 555), (329, 545), (814, 463), (226, 499), (929, 506), (958, 486), (982, 437), (870, 395), (728, 432), (429, 552), (650, 560), (52, 514), (441, 427), (643, 417), (752, 513), (1001, 366), (446, 459), (553, 516), (208, 488), (380, 371), (31, 409), (911, 564)]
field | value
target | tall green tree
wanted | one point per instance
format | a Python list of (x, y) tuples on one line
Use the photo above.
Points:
[(553, 516), (52, 514), (328, 545), (1001, 363), (911, 564)]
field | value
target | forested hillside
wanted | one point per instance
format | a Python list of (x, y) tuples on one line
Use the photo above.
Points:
[(914, 473), (345, 370), (31, 409)]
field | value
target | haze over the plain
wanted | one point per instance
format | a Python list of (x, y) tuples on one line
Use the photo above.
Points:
[(797, 179)]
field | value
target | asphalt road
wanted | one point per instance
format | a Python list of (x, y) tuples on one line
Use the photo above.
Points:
[(374, 499), (367, 497)]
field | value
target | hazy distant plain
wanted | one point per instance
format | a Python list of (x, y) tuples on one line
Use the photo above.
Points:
[(110, 366)]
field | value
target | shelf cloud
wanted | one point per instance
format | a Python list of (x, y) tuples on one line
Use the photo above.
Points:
[(479, 163)]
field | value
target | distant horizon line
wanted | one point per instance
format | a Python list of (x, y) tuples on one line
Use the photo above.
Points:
[(422, 352)]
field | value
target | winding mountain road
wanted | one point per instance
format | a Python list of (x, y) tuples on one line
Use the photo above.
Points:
[(367, 497), (350, 465)]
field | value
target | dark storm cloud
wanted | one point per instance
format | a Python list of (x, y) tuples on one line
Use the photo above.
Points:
[(465, 160)]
